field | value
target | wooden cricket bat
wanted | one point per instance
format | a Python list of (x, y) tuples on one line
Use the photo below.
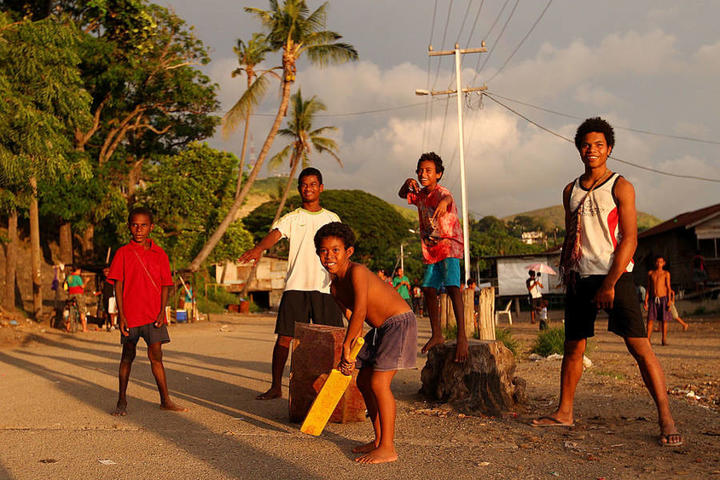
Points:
[(329, 396)]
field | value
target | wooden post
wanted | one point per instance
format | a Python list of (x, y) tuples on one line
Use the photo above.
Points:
[(442, 308), (517, 307), (469, 304), (486, 319)]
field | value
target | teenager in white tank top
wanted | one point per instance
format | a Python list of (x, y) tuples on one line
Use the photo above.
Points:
[(599, 224)]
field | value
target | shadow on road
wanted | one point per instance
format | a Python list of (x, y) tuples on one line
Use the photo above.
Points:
[(177, 428)]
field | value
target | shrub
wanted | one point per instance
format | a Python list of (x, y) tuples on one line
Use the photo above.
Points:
[(505, 336), (450, 332), (550, 341)]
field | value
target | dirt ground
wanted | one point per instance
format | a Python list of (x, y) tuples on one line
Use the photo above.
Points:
[(57, 389)]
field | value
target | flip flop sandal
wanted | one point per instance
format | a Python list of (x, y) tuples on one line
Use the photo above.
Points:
[(664, 440), (555, 423)]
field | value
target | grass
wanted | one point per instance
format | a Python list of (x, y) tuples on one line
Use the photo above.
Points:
[(549, 341), (505, 336)]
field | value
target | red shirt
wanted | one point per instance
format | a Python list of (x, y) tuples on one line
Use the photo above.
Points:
[(441, 239), (141, 295)]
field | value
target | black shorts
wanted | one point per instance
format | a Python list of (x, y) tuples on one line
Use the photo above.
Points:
[(149, 332), (301, 306), (580, 309)]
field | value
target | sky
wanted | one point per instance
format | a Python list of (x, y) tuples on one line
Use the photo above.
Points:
[(649, 65)]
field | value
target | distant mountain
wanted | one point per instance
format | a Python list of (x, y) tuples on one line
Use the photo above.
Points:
[(554, 216)]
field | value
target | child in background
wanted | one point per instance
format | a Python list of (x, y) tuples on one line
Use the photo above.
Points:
[(543, 314)]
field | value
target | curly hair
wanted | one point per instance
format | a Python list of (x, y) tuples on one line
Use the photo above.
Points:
[(140, 211), (431, 157), (337, 230), (595, 124)]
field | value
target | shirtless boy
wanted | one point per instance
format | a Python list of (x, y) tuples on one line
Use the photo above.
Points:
[(601, 226), (442, 246), (657, 298), (390, 346)]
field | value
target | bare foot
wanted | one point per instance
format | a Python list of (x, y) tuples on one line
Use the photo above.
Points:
[(379, 455), (365, 447), (552, 421), (432, 342), (270, 394), (173, 407), (685, 327), (461, 351), (120, 409)]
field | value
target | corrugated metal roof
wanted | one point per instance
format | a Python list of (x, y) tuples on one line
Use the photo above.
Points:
[(682, 220)]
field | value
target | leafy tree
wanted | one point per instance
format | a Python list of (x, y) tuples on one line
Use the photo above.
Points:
[(250, 55), (295, 30), (45, 103), (189, 192)]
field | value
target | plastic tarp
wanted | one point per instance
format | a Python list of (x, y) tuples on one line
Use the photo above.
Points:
[(512, 274)]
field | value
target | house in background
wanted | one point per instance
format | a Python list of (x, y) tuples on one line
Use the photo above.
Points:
[(511, 272), (678, 240), (533, 238), (265, 289)]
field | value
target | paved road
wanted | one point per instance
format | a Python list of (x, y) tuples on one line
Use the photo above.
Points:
[(56, 395)]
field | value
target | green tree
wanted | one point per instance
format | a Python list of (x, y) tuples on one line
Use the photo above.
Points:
[(294, 30), (250, 55), (46, 101), (189, 192)]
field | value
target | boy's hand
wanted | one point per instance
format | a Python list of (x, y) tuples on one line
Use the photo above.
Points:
[(441, 209), (605, 296), (160, 320), (412, 185), (461, 350), (122, 322), (252, 255), (346, 366)]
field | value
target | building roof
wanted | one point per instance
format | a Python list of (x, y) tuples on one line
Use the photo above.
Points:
[(686, 219)]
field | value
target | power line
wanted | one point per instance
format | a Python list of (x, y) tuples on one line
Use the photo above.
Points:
[(477, 16), (629, 129), (521, 41), (442, 43), (464, 18), (487, 35), (497, 40), (428, 102), (351, 114), (642, 167)]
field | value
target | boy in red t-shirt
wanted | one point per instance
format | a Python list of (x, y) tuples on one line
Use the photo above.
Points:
[(442, 246), (141, 274)]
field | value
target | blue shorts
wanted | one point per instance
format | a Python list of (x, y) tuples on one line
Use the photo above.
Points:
[(445, 273)]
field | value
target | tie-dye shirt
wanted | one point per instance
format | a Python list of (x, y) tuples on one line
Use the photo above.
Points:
[(443, 238)]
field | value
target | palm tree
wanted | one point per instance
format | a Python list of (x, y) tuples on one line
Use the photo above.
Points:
[(250, 55), (303, 140), (296, 31)]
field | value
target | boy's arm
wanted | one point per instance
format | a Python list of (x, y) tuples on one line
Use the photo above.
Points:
[(164, 294), (669, 288), (359, 280), (254, 254), (122, 321), (647, 291), (410, 186), (625, 194), (443, 206)]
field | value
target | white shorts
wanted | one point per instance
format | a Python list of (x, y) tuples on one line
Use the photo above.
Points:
[(112, 306)]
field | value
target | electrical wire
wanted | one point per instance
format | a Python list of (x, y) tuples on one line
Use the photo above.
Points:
[(464, 19), (442, 43), (636, 130), (472, 31), (428, 102), (642, 167), (497, 40), (521, 41)]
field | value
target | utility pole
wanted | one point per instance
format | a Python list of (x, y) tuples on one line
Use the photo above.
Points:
[(458, 91)]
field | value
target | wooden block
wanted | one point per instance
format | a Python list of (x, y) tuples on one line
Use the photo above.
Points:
[(316, 350)]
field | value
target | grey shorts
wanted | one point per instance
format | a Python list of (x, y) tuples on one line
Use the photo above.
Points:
[(302, 306), (392, 346), (150, 333)]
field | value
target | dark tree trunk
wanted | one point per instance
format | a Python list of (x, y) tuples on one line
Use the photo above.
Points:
[(66, 249), (35, 252), (11, 261)]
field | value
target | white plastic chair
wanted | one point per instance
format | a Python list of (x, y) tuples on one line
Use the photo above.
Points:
[(504, 312)]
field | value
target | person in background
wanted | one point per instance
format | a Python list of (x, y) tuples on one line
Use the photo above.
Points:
[(401, 283)]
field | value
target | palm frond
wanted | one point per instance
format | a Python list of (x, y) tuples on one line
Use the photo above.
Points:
[(242, 108), (280, 158), (324, 55), (318, 19), (320, 130), (324, 37)]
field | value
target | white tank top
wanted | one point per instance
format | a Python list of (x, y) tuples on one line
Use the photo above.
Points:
[(599, 224)]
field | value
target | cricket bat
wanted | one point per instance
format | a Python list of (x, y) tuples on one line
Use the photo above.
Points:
[(329, 396)]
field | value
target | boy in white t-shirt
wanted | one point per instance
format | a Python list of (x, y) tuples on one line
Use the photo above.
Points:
[(307, 285)]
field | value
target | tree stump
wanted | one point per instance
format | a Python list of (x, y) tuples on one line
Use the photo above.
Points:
[(468, 296), (316, 350), (485, 383)]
